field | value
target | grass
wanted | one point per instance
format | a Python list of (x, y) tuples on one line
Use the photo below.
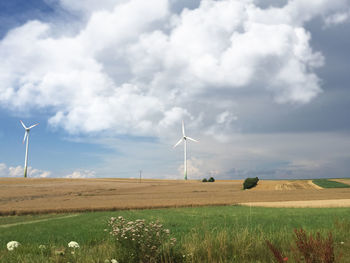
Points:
[(204, 234), (325, 183), (6, 221)]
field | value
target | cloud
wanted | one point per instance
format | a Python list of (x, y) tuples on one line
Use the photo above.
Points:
[(88, 6), (194, 170), (81, 174), (337, 18), (18, 171), (137, 68)]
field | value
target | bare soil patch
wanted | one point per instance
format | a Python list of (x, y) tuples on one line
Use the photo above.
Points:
[(29, 196)]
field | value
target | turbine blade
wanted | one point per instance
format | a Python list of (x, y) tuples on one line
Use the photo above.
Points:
[(25, 136), (178, 142), (183, 128), (191, 139), (23, 124), (33, 126)]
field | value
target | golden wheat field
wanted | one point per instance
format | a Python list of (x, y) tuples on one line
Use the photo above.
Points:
[(21, 196)]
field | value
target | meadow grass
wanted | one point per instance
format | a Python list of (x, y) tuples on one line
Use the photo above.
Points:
[(325, 183), (204, 234)]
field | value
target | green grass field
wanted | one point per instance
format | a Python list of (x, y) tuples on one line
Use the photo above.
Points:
[(205, 234), (325, 183)]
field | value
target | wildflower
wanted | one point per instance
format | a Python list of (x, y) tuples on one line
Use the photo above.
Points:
[(285, 259), (73, 244), (342, 243), (12, 245), (42, 247), (59, 252), (114, 261)]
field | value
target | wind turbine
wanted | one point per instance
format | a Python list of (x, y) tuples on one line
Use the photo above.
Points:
[(26, 136), (184, 138)]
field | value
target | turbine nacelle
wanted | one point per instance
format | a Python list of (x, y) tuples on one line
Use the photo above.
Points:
[(27, 130)]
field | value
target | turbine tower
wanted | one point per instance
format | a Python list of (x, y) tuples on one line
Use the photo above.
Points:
[(26, 136), (184, 138)]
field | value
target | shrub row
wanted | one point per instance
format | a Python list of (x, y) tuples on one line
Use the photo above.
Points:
[(210, 180)]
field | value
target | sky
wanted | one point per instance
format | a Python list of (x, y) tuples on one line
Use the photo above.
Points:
[(262, 84)]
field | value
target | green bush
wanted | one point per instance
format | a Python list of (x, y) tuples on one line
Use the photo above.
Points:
[(210, 180), (250, 183)]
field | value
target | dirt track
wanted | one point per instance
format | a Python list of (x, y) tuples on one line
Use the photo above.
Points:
[(310, 203), (19, 195)]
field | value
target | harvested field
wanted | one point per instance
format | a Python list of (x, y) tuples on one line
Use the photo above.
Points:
[(281, 185), (22, 196)]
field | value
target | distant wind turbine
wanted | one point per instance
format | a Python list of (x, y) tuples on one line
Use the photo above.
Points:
[(184, 138), (26, 136)]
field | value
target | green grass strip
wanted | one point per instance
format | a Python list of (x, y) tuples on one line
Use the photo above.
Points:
[(325, 183)]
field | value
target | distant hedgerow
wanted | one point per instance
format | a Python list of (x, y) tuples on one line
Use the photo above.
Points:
[(210, 180)]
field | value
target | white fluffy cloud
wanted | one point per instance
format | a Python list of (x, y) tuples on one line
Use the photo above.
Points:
[(81, 174), (18, 171), (137, 68)]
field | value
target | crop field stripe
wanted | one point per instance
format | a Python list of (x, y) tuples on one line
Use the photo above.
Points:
[(325, 183), (36, 221)]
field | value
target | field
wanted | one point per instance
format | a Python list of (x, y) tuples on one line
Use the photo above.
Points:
[(31, 196), (204, 234), (212, 222)]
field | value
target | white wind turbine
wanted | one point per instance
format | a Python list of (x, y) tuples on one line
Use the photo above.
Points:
[(184, 138), (26, 136)]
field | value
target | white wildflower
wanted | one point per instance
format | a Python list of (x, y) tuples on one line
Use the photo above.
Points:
[(12, 245), (73, 244), (114, 261), (42, 247)]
